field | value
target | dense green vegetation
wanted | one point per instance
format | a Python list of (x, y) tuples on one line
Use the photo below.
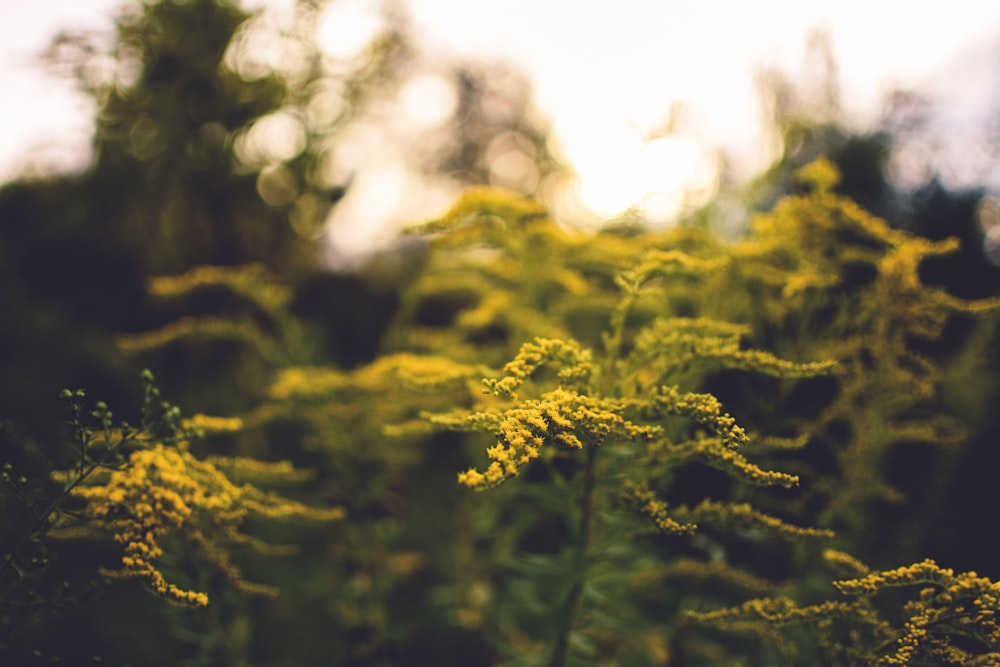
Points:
[(511, 443)]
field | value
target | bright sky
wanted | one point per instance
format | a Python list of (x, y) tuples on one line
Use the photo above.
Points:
[(604, 72), (37, 111), (601, 68)]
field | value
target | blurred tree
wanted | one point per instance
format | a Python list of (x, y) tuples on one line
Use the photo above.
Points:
[(807, 121), (225, 137), (161, 196), (497, 139)]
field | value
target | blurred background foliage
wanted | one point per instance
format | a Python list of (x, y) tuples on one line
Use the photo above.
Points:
[(228, 138)]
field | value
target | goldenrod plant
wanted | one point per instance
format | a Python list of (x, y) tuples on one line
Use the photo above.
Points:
[(623, 446), (627, 405), (943, 617), (258, 306), (144, 489), (819, 279), (819, 275), (337, 420), (99, 446)]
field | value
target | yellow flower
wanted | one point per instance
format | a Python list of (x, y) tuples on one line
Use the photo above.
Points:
[(164, 491)]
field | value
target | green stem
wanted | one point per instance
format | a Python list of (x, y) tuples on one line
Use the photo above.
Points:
[(41, 520), (575, 597)]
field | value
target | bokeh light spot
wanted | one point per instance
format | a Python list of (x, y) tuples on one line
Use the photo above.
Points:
[(428, 100), (277, 185), (347, 27), (511, 158), (277, 137), (606, 160), (144, 139), (253, 51), (326, 106), (618, 170), (988, 218)]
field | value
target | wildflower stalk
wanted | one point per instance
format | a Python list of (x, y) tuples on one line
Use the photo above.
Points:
[(85, 467), (575, 597), (613, 344)]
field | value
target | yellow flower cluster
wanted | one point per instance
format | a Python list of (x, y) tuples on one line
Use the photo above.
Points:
[(249, 470), (952, 619), (643, 500), (140, 511), (412, 371), (713, 452), (821, 174), (258, 317), (254, 280), (211, 424), (164, 491), (187, 328), (307, 381), (718, 572), (775, 611), (743, 516), (702, 408), (904, 299), (658, 262), (674, 343), (576, 362), (926, 571), (845, 563), (562, 417), (963, 604), (485, 206)]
